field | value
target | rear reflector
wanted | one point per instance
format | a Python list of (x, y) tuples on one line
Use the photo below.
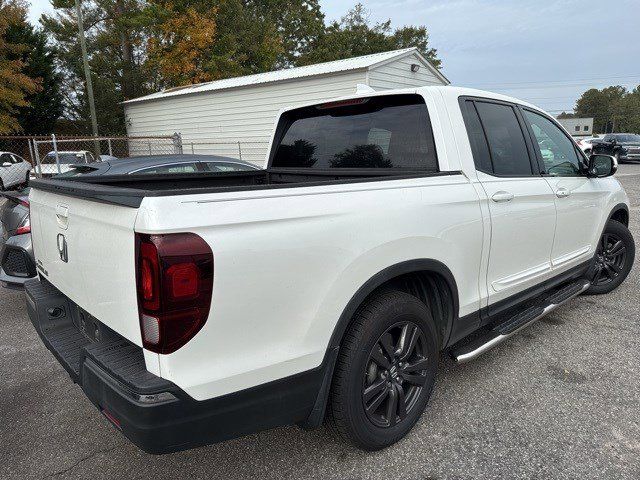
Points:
[(112, 419), (174, 274)]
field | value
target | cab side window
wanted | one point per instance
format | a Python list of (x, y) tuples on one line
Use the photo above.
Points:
[(507, 145), (477, 140), (556, 149)]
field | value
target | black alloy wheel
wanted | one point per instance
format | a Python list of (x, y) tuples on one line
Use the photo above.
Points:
[(385, 370), (395, 374), (614, 257), (611, 257)]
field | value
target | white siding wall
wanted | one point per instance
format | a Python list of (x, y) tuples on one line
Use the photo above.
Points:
[(398, 74), (244, 115)]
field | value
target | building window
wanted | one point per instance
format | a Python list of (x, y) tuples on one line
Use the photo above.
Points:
[(586, 128), (577, 128)]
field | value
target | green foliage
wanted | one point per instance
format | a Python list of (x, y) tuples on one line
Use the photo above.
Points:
[(15, 84), (115, 47), (44, 105), (612, 108), (353, 36)]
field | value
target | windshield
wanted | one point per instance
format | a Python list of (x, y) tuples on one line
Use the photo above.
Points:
[(627, 138)]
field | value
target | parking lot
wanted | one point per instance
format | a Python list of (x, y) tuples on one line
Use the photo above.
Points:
[(559, 400)]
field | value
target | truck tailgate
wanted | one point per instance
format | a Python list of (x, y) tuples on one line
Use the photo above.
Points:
[(86, 249)]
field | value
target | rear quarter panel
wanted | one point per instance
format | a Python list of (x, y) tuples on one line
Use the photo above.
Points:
[(287, 262)]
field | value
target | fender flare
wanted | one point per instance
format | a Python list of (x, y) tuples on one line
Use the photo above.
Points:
[(402, 268), (617, 208), (316, 416)]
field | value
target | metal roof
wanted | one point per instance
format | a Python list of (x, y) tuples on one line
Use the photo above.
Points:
[(348, 64)]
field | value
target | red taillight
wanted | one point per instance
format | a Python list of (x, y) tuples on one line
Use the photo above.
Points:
[(149, 287), (175, 281), (183, 280)]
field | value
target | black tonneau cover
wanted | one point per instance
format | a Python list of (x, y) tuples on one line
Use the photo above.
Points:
[(129, 190)]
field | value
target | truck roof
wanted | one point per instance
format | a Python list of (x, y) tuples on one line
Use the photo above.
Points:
[(445, 90)]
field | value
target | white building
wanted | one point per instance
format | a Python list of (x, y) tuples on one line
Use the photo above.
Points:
[(578, 127), (235, 116)]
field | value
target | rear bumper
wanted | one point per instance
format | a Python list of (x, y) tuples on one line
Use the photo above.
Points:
[(150, 411)]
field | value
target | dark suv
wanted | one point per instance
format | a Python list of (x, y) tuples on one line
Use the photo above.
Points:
[(623, 146)]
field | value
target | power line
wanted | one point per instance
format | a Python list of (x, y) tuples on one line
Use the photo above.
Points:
[(542, 86), (561, 81)]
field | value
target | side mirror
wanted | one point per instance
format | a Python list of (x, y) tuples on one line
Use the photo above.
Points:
[(602, 166), (6, 164)]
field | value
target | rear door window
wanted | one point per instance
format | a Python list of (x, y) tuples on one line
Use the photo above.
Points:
[(509, 154), (387, 132)]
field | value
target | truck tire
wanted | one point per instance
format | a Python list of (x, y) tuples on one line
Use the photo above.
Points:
[(385, 371), (614, 259)]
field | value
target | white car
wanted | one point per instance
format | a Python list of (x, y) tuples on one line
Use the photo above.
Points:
[(14, 170), (49, 164), (586, 144), (197, 307)]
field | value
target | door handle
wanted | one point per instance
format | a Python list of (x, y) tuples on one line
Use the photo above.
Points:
[(562, 193), (502, 196), (62, 216)]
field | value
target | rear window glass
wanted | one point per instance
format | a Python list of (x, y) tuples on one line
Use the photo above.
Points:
[(509, 154), (391, 132)]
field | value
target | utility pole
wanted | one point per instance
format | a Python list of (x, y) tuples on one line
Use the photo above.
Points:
[(87, 76)]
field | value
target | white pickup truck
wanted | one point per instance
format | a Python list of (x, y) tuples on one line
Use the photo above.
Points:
[(386, 228)]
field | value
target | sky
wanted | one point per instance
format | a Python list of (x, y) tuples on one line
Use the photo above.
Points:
[(546, 52)]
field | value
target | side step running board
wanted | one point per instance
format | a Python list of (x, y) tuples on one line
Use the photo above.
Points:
[(517, 322)]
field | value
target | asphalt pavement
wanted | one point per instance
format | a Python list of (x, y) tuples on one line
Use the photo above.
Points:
[(560, 400)]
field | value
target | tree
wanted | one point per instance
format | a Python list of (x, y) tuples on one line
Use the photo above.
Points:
[(139, 46), (298, 25), (15, 84), (116, 47), (354, 36), (182, 36), (45, 104), (612, 108)]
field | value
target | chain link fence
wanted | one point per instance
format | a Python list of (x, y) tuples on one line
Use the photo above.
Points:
[(254, 152), (45, 156)]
